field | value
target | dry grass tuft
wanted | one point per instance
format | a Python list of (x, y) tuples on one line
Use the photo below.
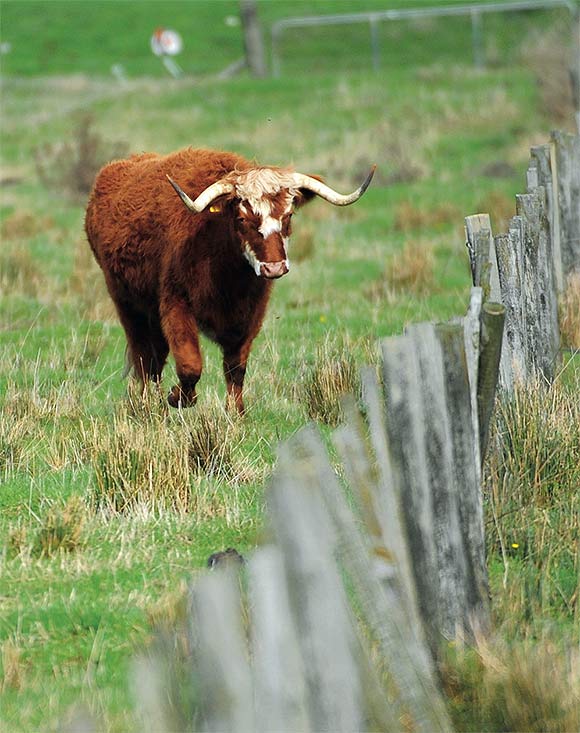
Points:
[(19, 273), (87, 286), (24, 225), (570, 313), (302, 244), (62, 528), (42, 399), (213, 439), (333, 375), (551, 61), (139, 463), (19, 542), (15, 435), (539, 434), (12, 672), (409, 271), (500, 207), (529, 687), (71, 166), (409, 217), (412, 269), (170, 610)]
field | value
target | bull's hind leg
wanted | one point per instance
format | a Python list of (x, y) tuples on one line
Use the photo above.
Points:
[(147, 347), (181, 331)]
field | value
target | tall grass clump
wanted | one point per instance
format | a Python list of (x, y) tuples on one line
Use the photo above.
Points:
[(11, 666), (533, 501), (59, 529), (552, 61), (71, 165), (139, 461), (496, 686), (333, 375), (409, 271), (213, 438), (15, 440), (156, 459), (19, 273)]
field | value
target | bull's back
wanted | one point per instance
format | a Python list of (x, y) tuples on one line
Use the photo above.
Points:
[(125, 224), (135, 222), (113, 214)]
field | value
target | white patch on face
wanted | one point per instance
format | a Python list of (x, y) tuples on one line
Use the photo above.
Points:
[(269, 226), (250, 255)]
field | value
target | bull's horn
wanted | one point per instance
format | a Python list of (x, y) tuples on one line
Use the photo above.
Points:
[(327, 193), (219, 188)]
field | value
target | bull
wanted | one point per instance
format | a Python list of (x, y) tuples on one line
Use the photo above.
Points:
[(202, 261)]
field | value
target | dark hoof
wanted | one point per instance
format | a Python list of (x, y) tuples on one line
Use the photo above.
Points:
[(178, 398)]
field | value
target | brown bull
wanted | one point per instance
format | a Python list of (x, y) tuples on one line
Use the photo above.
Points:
[(174, 270)]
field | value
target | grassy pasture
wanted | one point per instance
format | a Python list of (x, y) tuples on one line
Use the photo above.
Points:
[(109, 503)]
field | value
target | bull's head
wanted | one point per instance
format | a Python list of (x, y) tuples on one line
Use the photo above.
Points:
[(263, 201)]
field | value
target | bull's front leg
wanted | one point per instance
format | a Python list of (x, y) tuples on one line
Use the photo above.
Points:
[(236, 345), (181, 332), (236, 354), (234, 372)]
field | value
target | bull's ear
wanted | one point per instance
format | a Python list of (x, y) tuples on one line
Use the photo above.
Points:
[(305, 195)]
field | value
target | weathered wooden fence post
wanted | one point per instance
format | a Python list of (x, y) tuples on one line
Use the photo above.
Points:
[(253, 41), (565, 162), (224, 676), (492, 324), (527, 268), (370, 571), (482, 256), (280, 689), (318, 601), (429, 437)]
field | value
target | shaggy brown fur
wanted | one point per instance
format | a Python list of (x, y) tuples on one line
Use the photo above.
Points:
[(172, 273)]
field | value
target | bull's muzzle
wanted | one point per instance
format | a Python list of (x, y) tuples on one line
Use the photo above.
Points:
[(273, 270)]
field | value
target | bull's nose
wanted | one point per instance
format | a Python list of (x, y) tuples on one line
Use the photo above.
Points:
[(273, 269)]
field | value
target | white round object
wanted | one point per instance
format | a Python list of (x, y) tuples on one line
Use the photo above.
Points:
[(165, 42)]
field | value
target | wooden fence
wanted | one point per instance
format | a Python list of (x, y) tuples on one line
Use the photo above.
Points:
[(377, 555), (528, 268)]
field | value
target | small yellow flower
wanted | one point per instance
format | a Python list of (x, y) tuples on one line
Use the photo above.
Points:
[(515, 545), (322, 319)]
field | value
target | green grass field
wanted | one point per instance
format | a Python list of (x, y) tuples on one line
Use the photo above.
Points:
[(108, 504)]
